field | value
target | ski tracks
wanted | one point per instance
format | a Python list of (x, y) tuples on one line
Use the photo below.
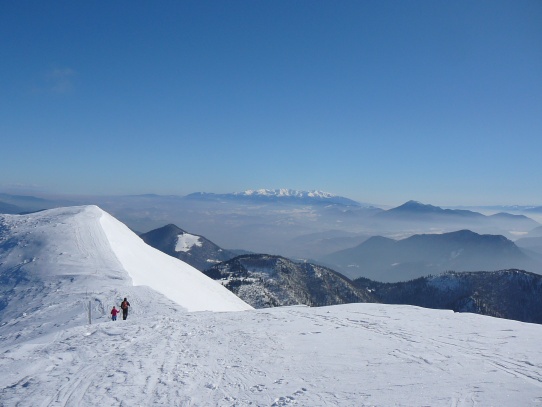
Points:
[(276, 357)]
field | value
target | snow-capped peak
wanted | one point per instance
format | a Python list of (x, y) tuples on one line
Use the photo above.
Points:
[(285, 192)]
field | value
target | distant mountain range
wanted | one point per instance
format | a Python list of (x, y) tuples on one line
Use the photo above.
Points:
[(506, 208), (195, 250), (9, 208), (416, 210), (264, 280), (16, 204), (296, 224), (388, 260), (378, 258), (532, 246), (412, 214), (536, 232), (511, 294), (278, 195)]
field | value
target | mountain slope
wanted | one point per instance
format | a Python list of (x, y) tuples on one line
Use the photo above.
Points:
[(195, 250), (270, 281), (9, 208), (417, 210), (387, 260), (511, 221), (536, 232), (530, 244), (86, 254), (512, 294), (414, 215)]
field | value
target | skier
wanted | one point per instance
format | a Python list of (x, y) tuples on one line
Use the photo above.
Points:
[(114, 313), (124, 306)]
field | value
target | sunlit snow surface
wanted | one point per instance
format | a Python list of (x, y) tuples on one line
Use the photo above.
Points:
[(52, 263), (349, 355)]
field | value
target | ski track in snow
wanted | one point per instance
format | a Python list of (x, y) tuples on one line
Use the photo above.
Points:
[(356, 355)]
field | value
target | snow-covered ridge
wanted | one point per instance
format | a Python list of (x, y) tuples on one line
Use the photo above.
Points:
[(279, 195), (172, 277), (83, 252), (284, 192)]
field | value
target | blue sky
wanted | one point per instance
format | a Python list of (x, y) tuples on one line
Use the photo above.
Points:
[(379, 101)]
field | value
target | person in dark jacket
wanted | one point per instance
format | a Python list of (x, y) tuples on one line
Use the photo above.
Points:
[(124, 306)]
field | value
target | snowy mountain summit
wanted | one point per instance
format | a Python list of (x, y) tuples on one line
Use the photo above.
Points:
[(55, 263), (83, 253), (281, 195), (296, 195), (285, 192)]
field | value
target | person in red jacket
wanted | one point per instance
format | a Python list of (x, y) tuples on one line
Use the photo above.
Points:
[(114, 313), (125, 304)]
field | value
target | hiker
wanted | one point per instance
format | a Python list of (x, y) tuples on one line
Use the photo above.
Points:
[(114, 313), (124, 306)]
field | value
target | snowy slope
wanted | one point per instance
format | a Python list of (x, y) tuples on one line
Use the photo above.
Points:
[(177, 280), (346, 355), (53, 262)]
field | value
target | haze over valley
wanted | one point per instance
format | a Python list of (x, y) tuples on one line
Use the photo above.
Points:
[(356, 239)]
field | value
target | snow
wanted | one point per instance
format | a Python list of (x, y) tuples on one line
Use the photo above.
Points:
[(286, 192), (352, 355), (80, 251), (54, 262), (186, 241), (175, 279)]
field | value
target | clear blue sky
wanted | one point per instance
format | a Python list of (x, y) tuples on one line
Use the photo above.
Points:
[(379, 101)]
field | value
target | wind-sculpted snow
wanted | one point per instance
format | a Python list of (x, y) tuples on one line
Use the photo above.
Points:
[(349, 355), (175, 279), (52, 263)]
